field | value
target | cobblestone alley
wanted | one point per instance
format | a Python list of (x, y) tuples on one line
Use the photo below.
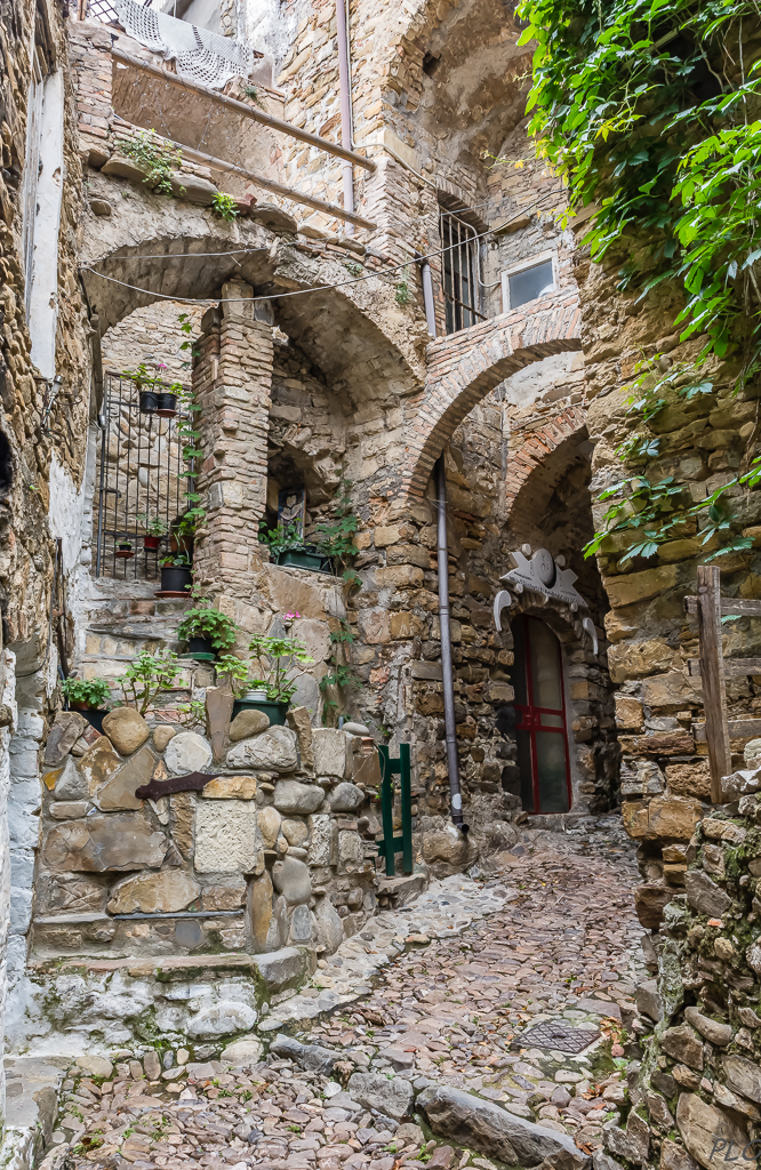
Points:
[(522, 1007)]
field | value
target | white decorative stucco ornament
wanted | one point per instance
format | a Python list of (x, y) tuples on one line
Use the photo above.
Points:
[(547, 579)]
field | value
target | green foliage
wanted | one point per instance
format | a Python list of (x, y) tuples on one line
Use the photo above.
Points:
[(274, 656), (147, 676), (189, 436), (402, 294), (156, 156), (192, 714), (281, 538), (341, 677), (153, 525), (649, 111), (92, 692), (335, 537), (656, 510), (230, 668), (205, 621), (224, 206)]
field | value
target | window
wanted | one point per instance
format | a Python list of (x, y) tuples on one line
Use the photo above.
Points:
[(527, 282), (201, 13), (460, 267)]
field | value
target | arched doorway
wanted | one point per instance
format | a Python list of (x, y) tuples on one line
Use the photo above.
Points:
[(541, 727)]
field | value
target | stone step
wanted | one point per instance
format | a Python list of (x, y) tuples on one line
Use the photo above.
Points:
[(399, 891), (32, 1090), (285, 967)]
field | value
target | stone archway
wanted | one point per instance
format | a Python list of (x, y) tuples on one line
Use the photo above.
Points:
[(465, 366)]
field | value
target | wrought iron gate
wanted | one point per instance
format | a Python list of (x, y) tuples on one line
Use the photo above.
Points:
[(141, 484)]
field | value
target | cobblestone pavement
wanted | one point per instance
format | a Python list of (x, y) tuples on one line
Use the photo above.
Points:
[(559, 956)]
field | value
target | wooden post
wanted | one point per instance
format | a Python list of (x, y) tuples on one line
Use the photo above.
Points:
[(712, 672)]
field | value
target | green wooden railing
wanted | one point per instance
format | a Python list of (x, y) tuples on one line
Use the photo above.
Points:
[(391, 845)]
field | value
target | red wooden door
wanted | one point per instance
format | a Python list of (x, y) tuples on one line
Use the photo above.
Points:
[(541, 728)]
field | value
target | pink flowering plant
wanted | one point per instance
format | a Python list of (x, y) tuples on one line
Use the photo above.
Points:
[(274, 657)]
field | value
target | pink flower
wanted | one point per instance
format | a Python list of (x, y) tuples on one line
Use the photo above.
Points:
[(290, 617)]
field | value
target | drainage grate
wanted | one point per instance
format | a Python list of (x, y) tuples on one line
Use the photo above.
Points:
[(556, 1034)]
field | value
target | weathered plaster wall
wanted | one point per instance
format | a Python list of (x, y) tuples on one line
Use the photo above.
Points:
[(40, 420)]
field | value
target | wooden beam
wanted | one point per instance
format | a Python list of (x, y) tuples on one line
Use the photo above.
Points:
[(248, 111), (712, 672), (730, 606), (733, 667), (331, 209), (738, 729)]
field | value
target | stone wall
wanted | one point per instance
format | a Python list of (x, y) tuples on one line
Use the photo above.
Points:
[(43, 422), (696, 1092), (276, 849), (665, 776)]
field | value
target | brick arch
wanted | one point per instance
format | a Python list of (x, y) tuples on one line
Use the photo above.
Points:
[(464, 367), (553, 439)]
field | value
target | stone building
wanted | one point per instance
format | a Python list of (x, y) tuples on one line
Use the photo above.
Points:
[(367, 255)]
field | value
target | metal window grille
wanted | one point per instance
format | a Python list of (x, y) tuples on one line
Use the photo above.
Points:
[(104, 10), (140, 475), (460, 271)]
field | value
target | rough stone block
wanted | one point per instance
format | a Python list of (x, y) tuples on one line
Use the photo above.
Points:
[(282, 968), (248, 723), (118, 792), (293, 797), (168, 890), (226, 838), (126, 729), (117, 841), (64, 733), (330, 752), (187, 752), (273, 750), (230, 787), (478, 1124)]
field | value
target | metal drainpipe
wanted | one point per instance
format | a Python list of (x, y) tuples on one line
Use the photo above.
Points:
[(453, 766), (428, 301), (344, 83)]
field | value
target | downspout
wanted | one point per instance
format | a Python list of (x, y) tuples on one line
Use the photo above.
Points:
[(428, 301), (344, 85), (450, 732)]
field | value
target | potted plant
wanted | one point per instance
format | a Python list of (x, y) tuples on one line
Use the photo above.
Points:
[(288, 547), (207, 631), (274, 656), (147, 676), (90, 697), (124, 550), (167, 398), (155, 528), (176, 574), (146, 384)]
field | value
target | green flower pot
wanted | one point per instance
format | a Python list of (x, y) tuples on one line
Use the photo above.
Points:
[(301, 559), (275, 712)]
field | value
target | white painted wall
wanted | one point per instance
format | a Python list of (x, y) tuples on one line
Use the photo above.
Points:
[(46, 208), (7, 703)]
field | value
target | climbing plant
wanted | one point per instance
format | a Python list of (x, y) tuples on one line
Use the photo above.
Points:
[(649, 109)]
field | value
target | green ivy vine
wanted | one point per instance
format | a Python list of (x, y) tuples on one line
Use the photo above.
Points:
[(650, 111)]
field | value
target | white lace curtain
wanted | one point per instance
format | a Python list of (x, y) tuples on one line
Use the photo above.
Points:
[(200, 55)]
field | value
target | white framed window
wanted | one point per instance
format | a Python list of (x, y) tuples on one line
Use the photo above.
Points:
[(528, 280)]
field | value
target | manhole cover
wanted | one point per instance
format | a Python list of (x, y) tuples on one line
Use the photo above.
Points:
[(555, 1034)]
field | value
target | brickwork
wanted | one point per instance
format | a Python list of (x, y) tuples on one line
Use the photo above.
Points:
[(463, 368), (232, 379)]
